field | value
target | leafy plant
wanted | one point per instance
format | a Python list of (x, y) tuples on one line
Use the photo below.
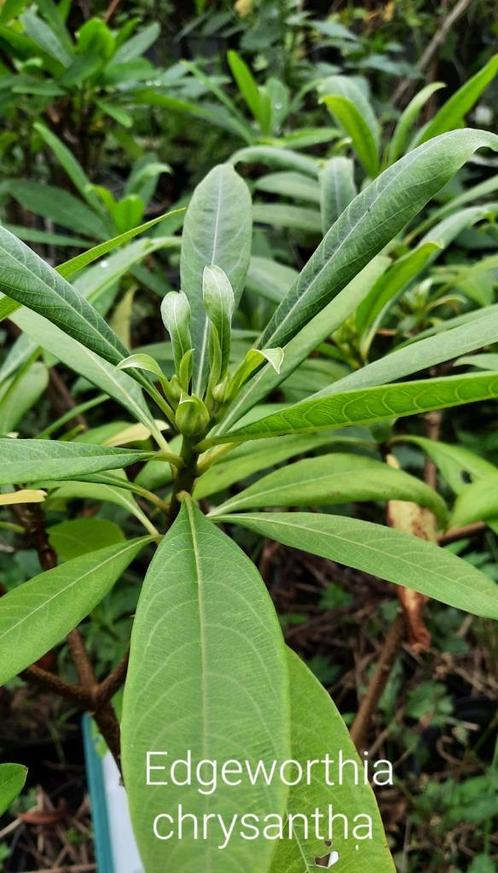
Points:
[(208, 668)]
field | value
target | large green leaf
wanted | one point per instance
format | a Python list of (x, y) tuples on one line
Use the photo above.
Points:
[(26, 278), (367, 406), (453, 112), (12, 779), (33, 460), (37, 615), (217, 230), (371, 221), (382, 551), (330, 479), (313, 738), (207, 674)]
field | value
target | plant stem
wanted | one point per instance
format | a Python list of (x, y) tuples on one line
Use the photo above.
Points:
[(186, 477)]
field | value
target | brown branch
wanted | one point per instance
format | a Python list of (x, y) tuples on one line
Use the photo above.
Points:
[(378, 681), (112, 683), (51, 682), (61, 398), (460, 533), (112, 8)]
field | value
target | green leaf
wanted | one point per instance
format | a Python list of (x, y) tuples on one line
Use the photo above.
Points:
[(269, 278), (331, 479), (217, 230), (453, 112), (399, 140), (381, 551), (78, 536), (71, 166), (46, 38), (352, 109), (337, 189), (37, 615), (138, 44), (246, 459), (387, 289), (312, 740), (371, 220), (366, 406), (290, 184), (21, 393), (59, 206), (27, 279), (33, 460), (308, 339), (286, 215), (12, 779), (284, 159), (117, 494), (477, 502), (192, 622), (219, 304), (69, 268), (75, 355), (464, 337), (246, 84), (455, 463)]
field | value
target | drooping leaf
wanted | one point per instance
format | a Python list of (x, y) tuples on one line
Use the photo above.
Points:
[(382, 551), (371, 220), (456, 464), (217, 230), (59, 206), (312, 739), (33, 460), (368, 405), (330, 479), (477, 502), (37, 615), (191, 622)]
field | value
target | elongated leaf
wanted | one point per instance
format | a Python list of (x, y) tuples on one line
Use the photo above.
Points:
[(337, 189), (308, 339), (382, 551), (350, 116), (371, 220), (72, 167), (366, 406), (245, 460), (28, 280), (336, 478), (59, 206), (407, 119), (12, 779), (22, 496), (192, 620), (21, 394), (37, 615), (246, 84), (217, 230), (386, 290), (269, 278), (78, 536), (288, 183), (455, 463), (469, 334), (103, 493), (486, 361), (284, 159), (453, 112), (287, 215), (312, 739), (32, 460), (477, 502), (75, 355)]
